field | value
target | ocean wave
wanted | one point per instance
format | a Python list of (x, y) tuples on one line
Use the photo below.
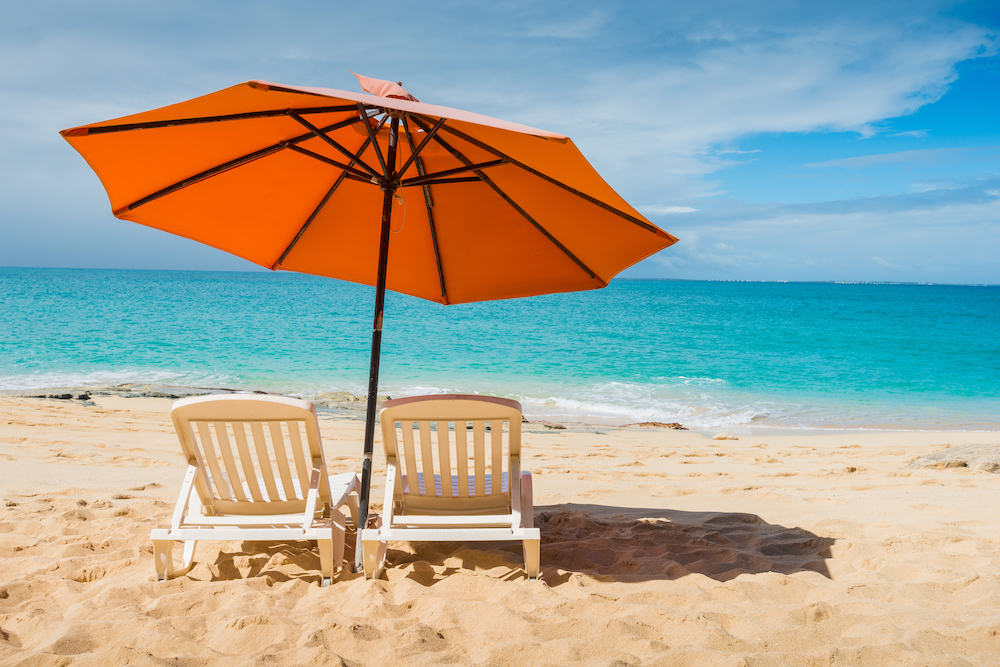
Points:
[(82, 379), (695, 402)]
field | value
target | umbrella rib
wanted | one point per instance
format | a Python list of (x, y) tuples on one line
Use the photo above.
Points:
[(309, 220), (332, 142), (513, 204), (415, 152), (319, 207), (208, 173), (449, 172), (322, 158), (568, 188), (428, 203), (154, 124), (371, 135), (444, 181), (249, 157), (486, 179)]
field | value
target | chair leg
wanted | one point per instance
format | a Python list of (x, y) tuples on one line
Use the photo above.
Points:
[(355, 508), (325, 561), (339, 528), (163, 558), (374, 557), (527, 501), (531, 558)]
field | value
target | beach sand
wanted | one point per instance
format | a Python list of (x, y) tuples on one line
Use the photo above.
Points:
[(659, 547)]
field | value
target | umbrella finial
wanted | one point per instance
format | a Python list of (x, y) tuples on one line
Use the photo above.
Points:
[(384, 88)]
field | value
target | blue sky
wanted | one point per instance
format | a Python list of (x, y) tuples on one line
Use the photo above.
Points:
[(778, 140)]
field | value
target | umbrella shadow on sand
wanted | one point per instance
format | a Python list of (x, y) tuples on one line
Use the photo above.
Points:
[(635, 544), (628, 544)]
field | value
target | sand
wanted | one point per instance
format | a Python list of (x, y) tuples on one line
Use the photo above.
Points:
[(659, 547)]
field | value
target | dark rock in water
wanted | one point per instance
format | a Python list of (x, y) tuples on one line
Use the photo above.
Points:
[(977, 457), (53, 394), (345, 399), (341, 400)]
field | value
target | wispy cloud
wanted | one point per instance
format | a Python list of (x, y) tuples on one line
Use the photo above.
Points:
[(914, 134), (922, 155), (940, 236), (569, 27), (735, 151), (665, 210), (881, 262)]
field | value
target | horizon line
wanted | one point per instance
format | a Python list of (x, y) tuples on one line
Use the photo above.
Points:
[(264, 271)]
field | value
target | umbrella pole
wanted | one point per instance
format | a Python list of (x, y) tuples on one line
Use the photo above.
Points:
[(383, 260)]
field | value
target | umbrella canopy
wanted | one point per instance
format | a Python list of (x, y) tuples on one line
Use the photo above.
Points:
[(316, 180), (290, 178)]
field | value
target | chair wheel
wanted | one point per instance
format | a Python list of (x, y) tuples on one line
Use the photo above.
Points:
[(325, 582)]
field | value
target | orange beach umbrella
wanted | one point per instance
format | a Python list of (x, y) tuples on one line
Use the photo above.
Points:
[(374, 188)]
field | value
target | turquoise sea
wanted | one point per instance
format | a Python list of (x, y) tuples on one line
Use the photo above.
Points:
[(706, 354)]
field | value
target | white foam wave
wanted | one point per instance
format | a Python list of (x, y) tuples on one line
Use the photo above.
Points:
[(694, 402)]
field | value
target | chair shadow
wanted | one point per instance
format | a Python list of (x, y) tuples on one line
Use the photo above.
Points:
[(635, 544), (609, 543), (256, 559)]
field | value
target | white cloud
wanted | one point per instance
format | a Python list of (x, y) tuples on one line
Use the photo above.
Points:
[(881, 262), (734, 79), (735, 151), (921, 155), (665, 210), (948, 236), (578, 27), (915, 134)]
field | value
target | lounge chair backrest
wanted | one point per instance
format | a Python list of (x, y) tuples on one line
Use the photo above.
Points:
[(452, 452), (255, 453)]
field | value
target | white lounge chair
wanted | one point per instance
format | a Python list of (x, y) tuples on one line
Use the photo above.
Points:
[(486, 496), (256, 472)]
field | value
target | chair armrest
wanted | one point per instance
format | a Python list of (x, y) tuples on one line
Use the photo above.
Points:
[(391, 473), (184, 498), (312, 499), (514, 488)]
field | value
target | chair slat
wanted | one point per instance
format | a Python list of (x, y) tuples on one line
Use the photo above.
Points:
[(264, 459), (302, 468), (496, 431), (444, 459), (410, 458), (462, 458), (222, 437), (281, 457), (246, 461), (427, 458), (208, 452), (479, 444)]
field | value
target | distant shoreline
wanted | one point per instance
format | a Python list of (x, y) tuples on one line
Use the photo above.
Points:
[(263, 271)]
